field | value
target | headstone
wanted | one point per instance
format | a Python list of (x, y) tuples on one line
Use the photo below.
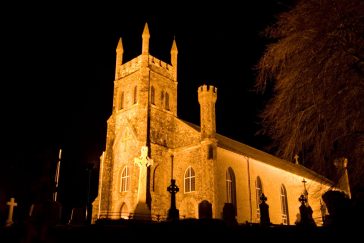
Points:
[(228, 214), (306, 219), (11, 205), (173, 212), (264, 211), (205, 210), (78, 216)]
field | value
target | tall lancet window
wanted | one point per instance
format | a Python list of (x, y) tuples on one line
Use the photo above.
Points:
[(258, 192), (166, 101), (135, 94), (231, 187), (284, 205), (125, 180), (190, 180), (122, 100), (152, 95)]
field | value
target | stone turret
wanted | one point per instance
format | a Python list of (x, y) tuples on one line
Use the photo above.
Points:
[(207, 96), (174, 52)]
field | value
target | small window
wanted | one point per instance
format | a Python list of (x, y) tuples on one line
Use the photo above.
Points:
[(152, 94), (166, 101), (210, 153), (122, 100), (135, 95), (125, 180), (189, 180), (284, 206)]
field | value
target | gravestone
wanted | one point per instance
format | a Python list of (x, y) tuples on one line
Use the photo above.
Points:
[(264, 210), (11, 205), (228, 213), (306, 219), (173, 212), (205, 210)]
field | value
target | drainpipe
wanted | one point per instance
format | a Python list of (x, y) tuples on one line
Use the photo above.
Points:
[(250, 193)]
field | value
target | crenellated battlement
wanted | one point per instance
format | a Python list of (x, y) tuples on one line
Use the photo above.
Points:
[(129, 67), (207, 88), (159, 63), (134, 64)]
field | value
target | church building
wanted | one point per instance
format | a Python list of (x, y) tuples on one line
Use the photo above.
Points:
[(147, 145)]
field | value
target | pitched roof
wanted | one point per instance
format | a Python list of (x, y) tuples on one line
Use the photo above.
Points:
[(243, 149)]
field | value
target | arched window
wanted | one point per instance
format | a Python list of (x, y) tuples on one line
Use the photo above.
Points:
[(190, 180), (166, 101), (125, 180), (230, 187), (154, 177), (122, 100), (152, 95), (258, 192), (284, 205), (162, 98), (135, 94)]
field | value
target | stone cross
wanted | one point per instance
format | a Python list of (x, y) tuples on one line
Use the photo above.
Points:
[(173, 212), (296, 159), (11, 204), (143, 162), (305, 192)]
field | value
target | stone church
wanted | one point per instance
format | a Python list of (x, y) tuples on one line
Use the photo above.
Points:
[(147, 145)]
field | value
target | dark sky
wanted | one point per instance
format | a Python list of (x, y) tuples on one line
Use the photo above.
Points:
[(58, 70)]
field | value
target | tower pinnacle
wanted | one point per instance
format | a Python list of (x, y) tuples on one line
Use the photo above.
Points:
[(145, 37), (119, 57), (174, 52)]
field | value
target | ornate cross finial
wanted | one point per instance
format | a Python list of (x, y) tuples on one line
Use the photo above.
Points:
[(296, 159)]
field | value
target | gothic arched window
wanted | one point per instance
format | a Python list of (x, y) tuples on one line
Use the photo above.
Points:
[(125, 180), (190, 180), (166, 100), (152, 95), (230, 187), (284, 205), (258, 192), (135, 94)]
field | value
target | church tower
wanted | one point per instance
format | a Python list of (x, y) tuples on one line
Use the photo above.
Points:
[(144, 101)]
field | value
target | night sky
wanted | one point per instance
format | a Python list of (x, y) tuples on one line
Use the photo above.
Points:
[(57, 81)]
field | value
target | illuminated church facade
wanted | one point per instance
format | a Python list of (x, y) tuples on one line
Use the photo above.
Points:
[(147, 145)]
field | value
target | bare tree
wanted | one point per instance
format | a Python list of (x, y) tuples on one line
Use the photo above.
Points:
[(315, 71)]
